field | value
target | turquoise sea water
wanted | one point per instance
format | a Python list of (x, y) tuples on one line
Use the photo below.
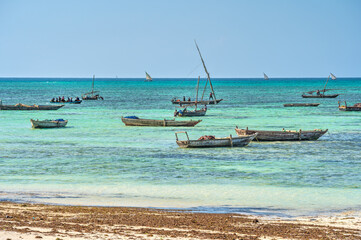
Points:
[(96, 160)]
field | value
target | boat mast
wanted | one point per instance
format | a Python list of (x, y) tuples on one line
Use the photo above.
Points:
[(326, 84), (208, 78), (93, 86), (197, 91)]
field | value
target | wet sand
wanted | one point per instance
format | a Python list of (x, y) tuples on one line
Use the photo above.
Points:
[(37, 221)]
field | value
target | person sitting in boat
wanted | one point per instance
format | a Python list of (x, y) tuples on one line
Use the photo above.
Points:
[(318, 92), (52, 100), (175, 112), (210, 96), (77, 99), (63, 99), (189, 99), (205, 107)]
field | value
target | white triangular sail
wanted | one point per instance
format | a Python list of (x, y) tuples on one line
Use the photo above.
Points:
[(148, 77), (333, 76), (265, 76)]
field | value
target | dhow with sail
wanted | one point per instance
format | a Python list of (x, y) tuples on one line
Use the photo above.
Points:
[(321, 93), (265, 76), (148, 78)]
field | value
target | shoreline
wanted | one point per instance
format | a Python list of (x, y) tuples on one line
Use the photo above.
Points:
[(40, 221)]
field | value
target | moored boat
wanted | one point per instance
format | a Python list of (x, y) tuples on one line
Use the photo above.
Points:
[(284, 135), (93, 95), (21, 106), (301, 104), (355, 107), (135, 121), (211, 141), (190, 113), (57, 123)]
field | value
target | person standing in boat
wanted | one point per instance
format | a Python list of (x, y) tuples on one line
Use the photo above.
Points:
[(210, 96), (318, 92)]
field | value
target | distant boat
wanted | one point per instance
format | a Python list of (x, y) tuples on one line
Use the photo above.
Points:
[(93, 95), (321, 94), (57, 123), (301, 104), (265, 76), (333, 76), (211, 141), (212, 94), (148, 78)]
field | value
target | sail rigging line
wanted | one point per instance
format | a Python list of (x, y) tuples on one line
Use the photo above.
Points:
[(205, 69), (193, 70)]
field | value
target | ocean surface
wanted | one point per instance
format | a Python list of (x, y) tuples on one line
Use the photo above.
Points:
[(96, 160)]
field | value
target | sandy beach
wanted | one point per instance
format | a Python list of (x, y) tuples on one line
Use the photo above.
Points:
[(37, 221)]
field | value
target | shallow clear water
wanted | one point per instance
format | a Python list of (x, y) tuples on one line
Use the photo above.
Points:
[(96, 160)]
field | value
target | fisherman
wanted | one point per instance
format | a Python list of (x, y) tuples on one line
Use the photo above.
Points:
[(184, 98), (205, 107), (210, 96), (175, 112), (52, 100), (189, 99), (318, 92)]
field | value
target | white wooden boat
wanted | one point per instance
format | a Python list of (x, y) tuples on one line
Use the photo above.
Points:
[(21, 106), (215, 142), (48, 123)]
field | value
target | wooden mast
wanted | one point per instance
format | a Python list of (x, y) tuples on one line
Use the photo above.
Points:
[(326, 85), (208, 78), (93, 86), (197, 92)]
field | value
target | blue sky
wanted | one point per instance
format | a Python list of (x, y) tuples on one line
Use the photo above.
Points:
[(237, 38)]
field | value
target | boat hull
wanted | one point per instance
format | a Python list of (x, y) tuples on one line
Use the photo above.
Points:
[(283, 135), (301, 105), (21, 106), (349, 108), (48, 124), (218, 142), (73, 102), (198, 102), (320, 96), (158, 123)]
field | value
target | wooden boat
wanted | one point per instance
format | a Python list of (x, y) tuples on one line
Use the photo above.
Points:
[(48, 123), (194, 113), (356, 107), (148, 78), (211, 141), (284, 135), (134, 121), (21, 106), (93, 95), (212, 94), (301, 104), (71, 102), (265, 76), (322, 93), (202, 102)]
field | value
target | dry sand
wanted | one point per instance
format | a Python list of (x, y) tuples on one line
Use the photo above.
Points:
[(37, 221)]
